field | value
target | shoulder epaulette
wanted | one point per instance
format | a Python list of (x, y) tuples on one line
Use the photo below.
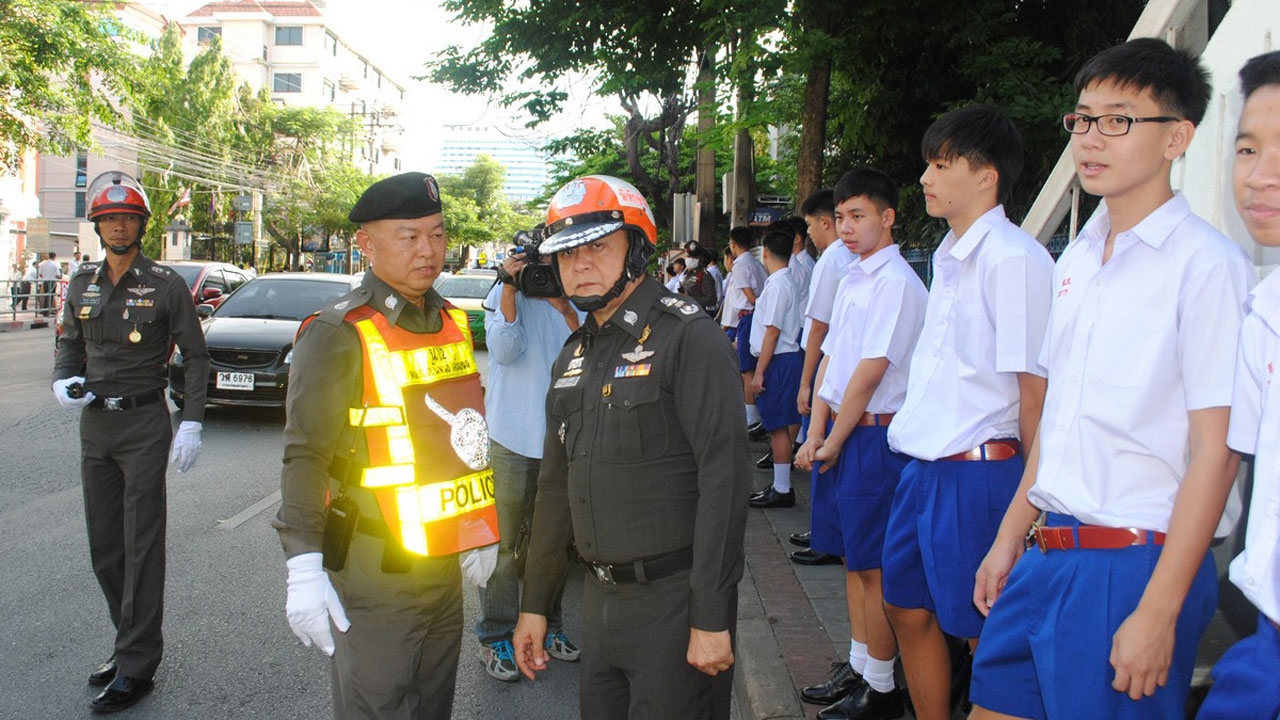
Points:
[(85, 268), (334, 312), (681, 308)]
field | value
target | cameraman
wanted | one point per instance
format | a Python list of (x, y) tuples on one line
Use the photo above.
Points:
[(525, 335)]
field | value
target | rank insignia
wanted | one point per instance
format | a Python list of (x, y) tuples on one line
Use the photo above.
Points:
[(688, 309), (630, 317), (84, 312), (391, 302), (607, 390), (670, 301), (626, 371), (644, 335), (342, 305)]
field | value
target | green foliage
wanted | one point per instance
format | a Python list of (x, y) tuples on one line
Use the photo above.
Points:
[(61, 69), (475, 210)]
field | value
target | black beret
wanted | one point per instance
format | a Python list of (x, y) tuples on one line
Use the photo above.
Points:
[(407, 195)]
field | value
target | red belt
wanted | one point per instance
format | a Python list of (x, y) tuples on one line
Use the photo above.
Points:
[(870, 419), (989, 450), (1092, 537)]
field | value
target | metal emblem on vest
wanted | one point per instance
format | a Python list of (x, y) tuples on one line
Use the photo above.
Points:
[(468, 434)]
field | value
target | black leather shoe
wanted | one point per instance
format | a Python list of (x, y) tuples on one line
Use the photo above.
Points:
[(765, 462), (756, 431), (104, 673), (774, 499), (123, 692), (813, 557), (865, 704), (843, 680), (800, 539)]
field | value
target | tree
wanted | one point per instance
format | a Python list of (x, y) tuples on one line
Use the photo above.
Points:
[(61, 69), (475, 209)]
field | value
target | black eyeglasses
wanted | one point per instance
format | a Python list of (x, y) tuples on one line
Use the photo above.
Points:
[(1109, 125)]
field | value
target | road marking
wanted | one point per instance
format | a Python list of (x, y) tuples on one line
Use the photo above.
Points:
[(239, 518)]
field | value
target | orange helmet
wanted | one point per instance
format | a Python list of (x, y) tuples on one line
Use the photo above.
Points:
[(114, 193), (592, 207)]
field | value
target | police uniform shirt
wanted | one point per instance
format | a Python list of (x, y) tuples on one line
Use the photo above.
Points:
[(119, 336), (325, 380), (984, 324), (878, 313), (1255, 430), (1133, 346), (645, 453)]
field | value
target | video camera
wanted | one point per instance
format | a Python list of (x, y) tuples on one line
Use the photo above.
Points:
[(536, 278)]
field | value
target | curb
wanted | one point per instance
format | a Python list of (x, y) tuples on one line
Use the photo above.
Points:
[(33, 323), (761, 681)]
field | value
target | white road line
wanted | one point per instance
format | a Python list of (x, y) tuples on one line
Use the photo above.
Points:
[(239, 518)]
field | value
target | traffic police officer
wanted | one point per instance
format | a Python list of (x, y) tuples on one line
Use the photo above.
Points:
[(644, 470), (119, 321), (386, 474)]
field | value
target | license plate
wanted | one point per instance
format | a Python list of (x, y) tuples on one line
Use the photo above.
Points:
[(235, 381)]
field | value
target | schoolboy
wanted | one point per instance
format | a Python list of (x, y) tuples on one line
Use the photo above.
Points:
[(819, 213), (745, 283), (1244, 680), (801, 262), (862, 381), (974, 388), (1141, 352), (775, 343)]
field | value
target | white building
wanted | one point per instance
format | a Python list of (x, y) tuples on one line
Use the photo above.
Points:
[(288, 48), (524, 160)]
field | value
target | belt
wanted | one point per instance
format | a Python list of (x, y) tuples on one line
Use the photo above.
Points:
[(643, 570), (990, 450), (869, 419), (127, 403), (1092, 537)]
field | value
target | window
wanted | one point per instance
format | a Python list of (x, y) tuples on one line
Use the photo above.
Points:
[(286, 82), (80, 204), (291, 35), (331, 44), (82, 168), (205, 34), (330, 91)]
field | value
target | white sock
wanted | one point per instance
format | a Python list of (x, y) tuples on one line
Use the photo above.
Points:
[(857, 656), (879, 674), (753, 414), (782, 477)]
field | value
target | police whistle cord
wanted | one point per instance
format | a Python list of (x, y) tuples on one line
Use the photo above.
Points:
[(468, 433)]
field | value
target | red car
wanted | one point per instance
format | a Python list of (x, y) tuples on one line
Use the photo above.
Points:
[(210, 282)]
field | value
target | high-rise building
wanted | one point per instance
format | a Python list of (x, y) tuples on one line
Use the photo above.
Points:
[(524, 160)]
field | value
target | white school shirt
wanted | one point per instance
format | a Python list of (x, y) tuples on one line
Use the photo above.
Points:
[(801, 274), (673, 284), (1255, 430), (747, 273), (1132, 346), (988, 307), (878, 313), (827, 272), (714, 271), (778, 305)]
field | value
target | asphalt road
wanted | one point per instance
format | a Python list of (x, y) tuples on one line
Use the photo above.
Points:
[(229, 650)]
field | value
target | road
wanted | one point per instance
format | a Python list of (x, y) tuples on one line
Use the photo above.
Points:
[(229, 652)]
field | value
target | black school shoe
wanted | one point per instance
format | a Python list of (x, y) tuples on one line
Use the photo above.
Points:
[(123, 692), (864, 703), (843, 680), (771, 498)]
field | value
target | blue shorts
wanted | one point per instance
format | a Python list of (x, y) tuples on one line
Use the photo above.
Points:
[(732, 332), (851, 522), (746, 361), (944, 518), (777, 403), (1046, 649), (1244, 680)]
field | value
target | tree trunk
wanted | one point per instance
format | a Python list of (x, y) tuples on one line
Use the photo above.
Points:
[(706, 168), (813, 123)]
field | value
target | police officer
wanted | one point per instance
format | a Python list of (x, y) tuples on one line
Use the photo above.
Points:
[(119, 321), (386, 474), (644, 470)]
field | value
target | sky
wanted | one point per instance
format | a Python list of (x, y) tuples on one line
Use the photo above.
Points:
[(399, 36)]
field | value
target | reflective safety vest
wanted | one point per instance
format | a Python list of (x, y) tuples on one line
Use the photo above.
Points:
[(428, 442)]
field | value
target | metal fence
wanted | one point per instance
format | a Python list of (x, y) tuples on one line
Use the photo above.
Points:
[(25, 299)]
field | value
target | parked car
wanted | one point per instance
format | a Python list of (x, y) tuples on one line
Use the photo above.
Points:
[(250, 337), (210, 282), (467, 292)]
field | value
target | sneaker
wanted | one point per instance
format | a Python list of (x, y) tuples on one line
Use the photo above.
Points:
[(560, 648), (499, 660)]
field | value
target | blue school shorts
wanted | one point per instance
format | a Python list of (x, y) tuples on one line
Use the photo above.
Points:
[(1245, 682), (854, 515), (944, 518), (746, 361), (1045, 651), (777, 404)]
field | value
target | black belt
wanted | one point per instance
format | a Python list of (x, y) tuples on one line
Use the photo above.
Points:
[(643, 570), (127, 403)]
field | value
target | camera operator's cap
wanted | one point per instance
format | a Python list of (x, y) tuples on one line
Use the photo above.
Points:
[(592, 207), (407, 195)]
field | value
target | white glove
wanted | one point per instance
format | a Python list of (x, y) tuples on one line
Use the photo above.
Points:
[(479, 565), (65, 400), (186, 445), (312, 601)]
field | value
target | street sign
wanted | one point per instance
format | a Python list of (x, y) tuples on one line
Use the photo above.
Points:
[(244, 233), (38, 238)]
